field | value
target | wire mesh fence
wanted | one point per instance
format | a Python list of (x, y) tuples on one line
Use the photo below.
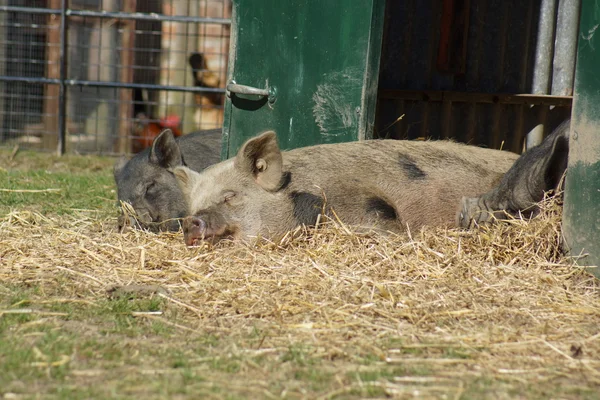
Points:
[(106, 76)]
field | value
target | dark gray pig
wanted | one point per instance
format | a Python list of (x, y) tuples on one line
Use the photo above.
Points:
[(391, 185), (146, 182), (537, 171)]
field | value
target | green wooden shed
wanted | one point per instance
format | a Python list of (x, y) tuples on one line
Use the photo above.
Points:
[(499, 74)]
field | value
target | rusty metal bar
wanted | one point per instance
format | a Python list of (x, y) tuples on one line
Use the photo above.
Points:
[(116, 85), (118, 15)]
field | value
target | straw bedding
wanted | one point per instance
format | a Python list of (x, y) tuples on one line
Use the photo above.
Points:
[(500, 301)]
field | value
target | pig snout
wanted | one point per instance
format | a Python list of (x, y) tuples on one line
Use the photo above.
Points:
[(194, 229), (207, 226)]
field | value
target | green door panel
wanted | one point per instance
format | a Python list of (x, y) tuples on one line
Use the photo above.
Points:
[(318, 59), (581, 214)]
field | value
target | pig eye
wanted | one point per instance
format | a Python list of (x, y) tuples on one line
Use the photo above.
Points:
[(150, 188), (228, 196)]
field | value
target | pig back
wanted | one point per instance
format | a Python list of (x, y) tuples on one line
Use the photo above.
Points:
[(201, 149), (395, 183)]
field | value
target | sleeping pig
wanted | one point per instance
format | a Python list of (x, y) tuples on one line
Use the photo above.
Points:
[(391, 185), (147, 184)]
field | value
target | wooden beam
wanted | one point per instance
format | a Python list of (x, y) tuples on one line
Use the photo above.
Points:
[(51, 92), (126, 76), (454, 33), (468, 97)]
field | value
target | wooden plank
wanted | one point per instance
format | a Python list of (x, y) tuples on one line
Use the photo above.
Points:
[(518, 141), (51, 92), (468, 97), (178, 42), (454, 33), (446, 119), (443, 59), (315, 76), (400, 127), (581, 211), (471, 135), (126, 76)]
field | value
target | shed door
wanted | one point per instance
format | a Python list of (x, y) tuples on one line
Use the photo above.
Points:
[(306, 69)]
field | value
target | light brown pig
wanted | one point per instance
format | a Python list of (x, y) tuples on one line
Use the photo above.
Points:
[(383, 184)]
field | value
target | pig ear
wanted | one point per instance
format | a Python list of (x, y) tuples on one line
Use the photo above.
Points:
[(556, 164), (165, 151), (261, 158), (183, 176), (119, 165)]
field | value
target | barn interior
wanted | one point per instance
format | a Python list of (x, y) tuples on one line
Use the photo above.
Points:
[(482, 72)]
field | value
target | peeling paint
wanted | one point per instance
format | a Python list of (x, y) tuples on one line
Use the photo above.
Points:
[(590, 35), (299, 79), (583, 143), (291, 132), (332, 112)]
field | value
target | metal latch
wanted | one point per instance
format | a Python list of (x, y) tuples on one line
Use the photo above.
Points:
[(269, 92)]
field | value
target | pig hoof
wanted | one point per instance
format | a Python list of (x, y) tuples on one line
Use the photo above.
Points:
[(472, 213), (475, 211)]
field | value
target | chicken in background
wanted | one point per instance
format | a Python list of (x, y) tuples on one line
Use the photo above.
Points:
[(203, 77), (146, 130)]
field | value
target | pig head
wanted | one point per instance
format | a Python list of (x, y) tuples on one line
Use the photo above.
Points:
[(537, 172), (148, 185), (383, 184), (240, 197)]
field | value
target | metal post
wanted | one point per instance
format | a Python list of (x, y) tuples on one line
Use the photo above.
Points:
[(543, 62), (62, 94), (544, 48), (567, 28), (581, 214)]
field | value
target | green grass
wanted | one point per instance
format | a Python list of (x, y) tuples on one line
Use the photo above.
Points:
[(34, 354), (63, 185), (89, 191), (41, 350)]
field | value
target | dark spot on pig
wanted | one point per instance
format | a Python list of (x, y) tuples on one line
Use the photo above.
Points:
[(307, 207), (382, 208), (410, 168), (286, 179)]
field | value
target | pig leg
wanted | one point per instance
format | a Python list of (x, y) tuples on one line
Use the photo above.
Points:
[(536, 172)]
